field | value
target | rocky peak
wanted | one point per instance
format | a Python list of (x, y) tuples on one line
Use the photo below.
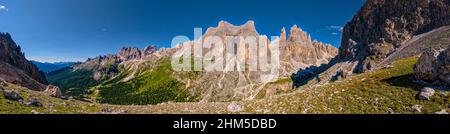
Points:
[(250, 25), (301, 51), (380, 27), (11, 54), (129, 53), (223, 25), (297, 35), (107, 66), (226, 29), (149, 50), (226, 25), (9, 47), (132, 53), (283, 35), (125, 54)]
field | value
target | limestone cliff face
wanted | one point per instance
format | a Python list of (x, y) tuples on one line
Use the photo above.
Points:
[(380, 27), (297, 51), (15, 68)]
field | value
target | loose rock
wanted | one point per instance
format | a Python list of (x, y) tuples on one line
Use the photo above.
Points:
[(34, 112), (391, 111), (425, 68), (235, 107), (3, 82), (417, 108), (443, 111), (388, 66), (433, 66), (53, 91), (109, 111), (426, 93), (12, 95), (34, 102)]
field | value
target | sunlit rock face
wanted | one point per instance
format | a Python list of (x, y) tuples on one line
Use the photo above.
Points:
[(296, 51), (381, 26)]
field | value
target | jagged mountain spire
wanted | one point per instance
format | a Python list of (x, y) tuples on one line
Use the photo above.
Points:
[(227, 29)]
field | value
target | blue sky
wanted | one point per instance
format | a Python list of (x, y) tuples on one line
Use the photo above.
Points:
[(74, 30)]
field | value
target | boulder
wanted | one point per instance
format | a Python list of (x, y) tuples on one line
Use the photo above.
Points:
[(443, 72), (433, 65), (53, 91), (12, 95), (391, 111), (426, 93), (443, 111), (34, 112), (34, 102), (417, 108), (3, 82), (425, 69)]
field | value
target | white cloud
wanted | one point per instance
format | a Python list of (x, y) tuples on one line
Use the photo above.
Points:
[(334, 29), (338, 28), (3, 8)]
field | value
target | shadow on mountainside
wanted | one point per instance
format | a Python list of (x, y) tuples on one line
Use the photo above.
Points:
[(403, 81), (303, 76)]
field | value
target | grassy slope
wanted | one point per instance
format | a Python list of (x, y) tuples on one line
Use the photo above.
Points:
[(371, 92), (376, 92), (73, 83), (50, 105), (155, 84), (152, 87)]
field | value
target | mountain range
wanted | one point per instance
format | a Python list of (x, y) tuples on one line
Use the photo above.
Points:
[(394, 58), (120, 71), (49, 67)]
